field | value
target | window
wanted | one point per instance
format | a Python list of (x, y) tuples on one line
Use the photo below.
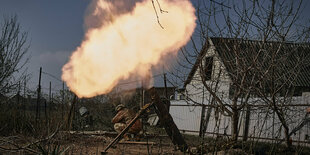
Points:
[(208, 68)]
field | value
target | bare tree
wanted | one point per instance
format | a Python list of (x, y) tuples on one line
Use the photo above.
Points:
[(13, 48), (252, 54)]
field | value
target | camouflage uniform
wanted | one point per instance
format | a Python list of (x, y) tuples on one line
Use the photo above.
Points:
[(123, 118)]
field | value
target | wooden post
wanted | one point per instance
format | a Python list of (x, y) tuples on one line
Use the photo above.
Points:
[(38, 97), (166, 93), (71, 112), (167, 121)]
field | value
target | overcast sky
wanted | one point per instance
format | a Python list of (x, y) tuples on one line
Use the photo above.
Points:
[(55, 29)]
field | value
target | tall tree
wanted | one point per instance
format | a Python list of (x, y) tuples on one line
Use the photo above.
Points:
[(13, 49)]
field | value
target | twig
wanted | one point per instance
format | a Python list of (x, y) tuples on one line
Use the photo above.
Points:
[(161, 10), (222, 4), (26, 147), (17, 147), (157, 14)]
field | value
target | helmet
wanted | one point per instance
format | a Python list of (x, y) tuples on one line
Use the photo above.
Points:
[(119, 107), (83, 111)]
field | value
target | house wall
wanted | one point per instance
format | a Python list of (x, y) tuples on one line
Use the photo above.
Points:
[(263, 122), (195, 89), (187, 118)]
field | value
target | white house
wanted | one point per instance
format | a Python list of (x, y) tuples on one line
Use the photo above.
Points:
[(216, 62)]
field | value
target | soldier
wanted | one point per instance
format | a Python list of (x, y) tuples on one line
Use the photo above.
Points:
[(86, 118), (123, 118)]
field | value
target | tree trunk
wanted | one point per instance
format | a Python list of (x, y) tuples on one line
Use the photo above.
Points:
[(234, 123), (246, 123), (279, 113), (202, 121), (287, 137)]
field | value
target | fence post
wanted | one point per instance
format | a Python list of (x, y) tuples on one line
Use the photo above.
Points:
[(38, 97)]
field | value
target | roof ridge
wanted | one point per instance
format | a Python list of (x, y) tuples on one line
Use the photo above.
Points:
[(269, 41)]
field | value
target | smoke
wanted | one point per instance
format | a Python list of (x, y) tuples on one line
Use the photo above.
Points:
[(100, 12), (123, 40)]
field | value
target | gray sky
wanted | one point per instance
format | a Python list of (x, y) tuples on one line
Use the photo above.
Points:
[(55, 29)]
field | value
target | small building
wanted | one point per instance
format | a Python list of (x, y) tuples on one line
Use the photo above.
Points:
[(219, 66)]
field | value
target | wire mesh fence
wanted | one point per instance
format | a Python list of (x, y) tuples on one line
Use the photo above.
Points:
[(263, 124)]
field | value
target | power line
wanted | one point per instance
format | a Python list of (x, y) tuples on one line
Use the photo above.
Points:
[(53, 76), (125, 83), (222, 4)]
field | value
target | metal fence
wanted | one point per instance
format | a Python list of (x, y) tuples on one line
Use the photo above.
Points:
[(263, 125)]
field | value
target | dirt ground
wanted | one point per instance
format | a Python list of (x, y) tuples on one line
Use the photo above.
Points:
[(96, 144), (123, 149), (88, 144)]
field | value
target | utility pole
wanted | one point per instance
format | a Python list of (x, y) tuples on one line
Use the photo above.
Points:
[(167, 101), (38, 97)]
